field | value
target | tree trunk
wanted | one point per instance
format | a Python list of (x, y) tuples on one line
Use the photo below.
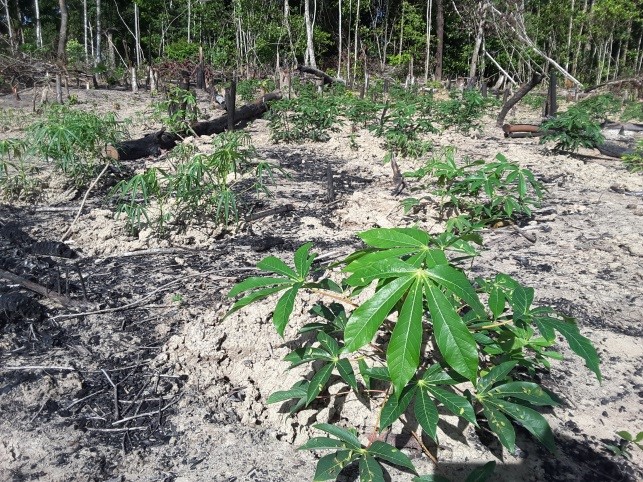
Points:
[(440, 41), (482, 11), (429, 6), (524, 90), (569, 36), (310, 47), (62, 38), (356, 31), (38, 24), (339, 56), (97, 52), (137, 35)]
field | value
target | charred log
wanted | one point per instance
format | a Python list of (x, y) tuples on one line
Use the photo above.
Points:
[(523, 91), (327, 79)]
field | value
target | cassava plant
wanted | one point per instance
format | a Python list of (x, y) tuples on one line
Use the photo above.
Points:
[(427, 339), (17, 179), (634, 160), (477, 192), (74, 140), (572, 130)]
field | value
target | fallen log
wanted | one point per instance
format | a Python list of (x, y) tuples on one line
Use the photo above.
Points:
[(522, 130), (153, 144), (319, 73), (612, 149)]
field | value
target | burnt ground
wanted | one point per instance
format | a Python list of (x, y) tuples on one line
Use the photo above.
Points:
[(133, 374)]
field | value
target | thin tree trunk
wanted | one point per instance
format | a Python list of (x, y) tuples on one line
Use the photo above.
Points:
[(137, 35), (310, 47), (429, 6), (482, 9), (355, 46), (569, 36), (38, 24), (85, 23), (399, 52), (189, 20), (339, 56), (97, 53), (440, 40), (62, 38), (637, 65), (7, 16)]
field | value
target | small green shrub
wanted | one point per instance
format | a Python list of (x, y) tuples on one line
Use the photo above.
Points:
[(599, 107), (463, 110), (428, 340), (310, 116), (479, 193), (534, 101), (634, 161), (17, 178), (622, 447), (199, 187), (401, 125), (178, 110), (74, 140), (572, 130), (247, 89), (182, 50), (632, 111)]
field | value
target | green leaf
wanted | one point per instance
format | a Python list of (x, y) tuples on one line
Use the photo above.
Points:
[(322, 443), (303, 261), (482, 474), (395, 406), (426, 414), (346, 372), (384, 451), (328, 343), (386, 268), (501, 426), (403, 353), (370, 258), (530, 392), (435, 257), (496, 374), (256, 282), (252, 297), (579, 344), (305, 355), (273, 264), (318, 382), (284, 308), (344, 435), (456, 404), (384, 238), (329, 466), (531, 420), (496, 302), (435, 375), (370, 470), (521, 300), (298, 390), (455, 341), (455, 281), (367, 318)]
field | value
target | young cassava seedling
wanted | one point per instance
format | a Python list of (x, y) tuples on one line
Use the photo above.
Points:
[(471, 348)]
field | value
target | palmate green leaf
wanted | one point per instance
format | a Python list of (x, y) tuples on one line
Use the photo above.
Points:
[(256, 282), (346, 372), (426, 413), (501, 426), (396, 406), (370, 470), (528, 391), (367, 318), (579, 344), (386, 268), (531, 420), (403, 353), (455, 341), (344, 435), (318, 382), (436, 375), (495, 375), (456, 282), (284, 308), (273, 264), (521, 299), (384, 451), (385, 238), (322, 443), (456, 404), (329, 466), (303, 261), (482, 474)]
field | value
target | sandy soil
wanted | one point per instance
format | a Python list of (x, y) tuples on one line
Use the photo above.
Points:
[(192, 386)]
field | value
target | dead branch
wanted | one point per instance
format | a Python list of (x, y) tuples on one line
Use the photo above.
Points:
[(36, 288)]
